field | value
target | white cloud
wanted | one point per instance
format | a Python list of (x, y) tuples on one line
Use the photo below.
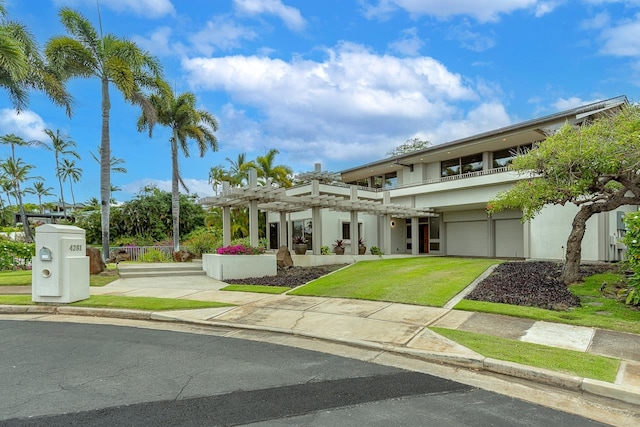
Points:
[(27, 125), (562, 104), (289, 15), (159, 43), (146, 8), (477, 42), (220, 33), (408, 44), (622, 40), (483, 11), (598, 21), (351, 106)]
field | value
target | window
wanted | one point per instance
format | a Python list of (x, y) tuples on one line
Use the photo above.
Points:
[(505, 157), (471, 163), (450, 167), (391, 180), (304, 227), (346, 230)]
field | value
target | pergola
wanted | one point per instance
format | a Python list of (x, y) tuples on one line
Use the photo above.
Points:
[(275, 199)]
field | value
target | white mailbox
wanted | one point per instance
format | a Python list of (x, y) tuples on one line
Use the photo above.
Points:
[(60, 267)]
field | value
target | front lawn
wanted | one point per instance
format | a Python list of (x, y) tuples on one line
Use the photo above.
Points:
[(132, 303), (23, 278), (423, 281)]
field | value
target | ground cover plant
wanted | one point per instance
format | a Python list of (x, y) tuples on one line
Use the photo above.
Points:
[(132, 303), (557, 359), (422, 280)]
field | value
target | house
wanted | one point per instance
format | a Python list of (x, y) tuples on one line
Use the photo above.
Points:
[(432, 201)]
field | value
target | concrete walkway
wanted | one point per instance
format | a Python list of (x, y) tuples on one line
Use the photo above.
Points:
[(392, 327)]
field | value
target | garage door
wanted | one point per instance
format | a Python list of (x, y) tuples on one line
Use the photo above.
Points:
[(468, 238), (509, 238)]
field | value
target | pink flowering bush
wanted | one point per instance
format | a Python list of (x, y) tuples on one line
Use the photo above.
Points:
[(240, 250)]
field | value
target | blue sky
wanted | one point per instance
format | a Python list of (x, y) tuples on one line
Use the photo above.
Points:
[(339, 82)]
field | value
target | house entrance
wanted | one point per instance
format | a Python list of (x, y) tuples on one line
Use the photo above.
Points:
[(423, 234)]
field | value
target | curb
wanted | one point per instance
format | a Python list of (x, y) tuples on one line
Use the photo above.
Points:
[(539, 375)]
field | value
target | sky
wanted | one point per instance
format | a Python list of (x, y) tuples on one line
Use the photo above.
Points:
[(336, 82)]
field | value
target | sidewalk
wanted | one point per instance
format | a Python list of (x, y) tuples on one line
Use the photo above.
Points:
[(391, 327)]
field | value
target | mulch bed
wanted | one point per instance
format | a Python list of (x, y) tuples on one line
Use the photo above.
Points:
[(290, 277), (531, 283)]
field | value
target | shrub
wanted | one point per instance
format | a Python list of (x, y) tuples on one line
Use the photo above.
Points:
[(16, 255), (202, 243), (325, 250), (376, 251), (155, 255), (240, 250), (631, 295)]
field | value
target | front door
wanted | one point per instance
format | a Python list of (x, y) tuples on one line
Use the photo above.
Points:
[(424, 238)]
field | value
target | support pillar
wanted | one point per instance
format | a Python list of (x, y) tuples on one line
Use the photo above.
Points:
[(386, 227), (226, 218), (253, 211), (316, 218), (415, 236), (283, 230), (353, 229)]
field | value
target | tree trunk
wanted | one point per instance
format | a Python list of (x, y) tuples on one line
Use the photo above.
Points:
[(175, 193), (23, 216), (105, 169), (64, 208)]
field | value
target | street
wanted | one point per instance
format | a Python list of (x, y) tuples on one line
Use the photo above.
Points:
[(61, 374)]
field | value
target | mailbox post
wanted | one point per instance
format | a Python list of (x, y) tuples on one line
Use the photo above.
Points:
[(60, 267)]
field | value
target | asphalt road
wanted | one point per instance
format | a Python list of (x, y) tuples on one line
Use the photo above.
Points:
[(68, 374)]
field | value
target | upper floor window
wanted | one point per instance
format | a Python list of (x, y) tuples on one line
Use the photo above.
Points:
[(505, 157), (461, 165)]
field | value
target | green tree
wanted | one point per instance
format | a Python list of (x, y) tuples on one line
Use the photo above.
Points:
[(41, 191), (61, 145), (18, 172), (217, 174), (239, 170), (186, 122), (278, 174), (113, 60), (409, 146), (70, 172), (14, 140), (22, 66), (595, 166), (115, 162)]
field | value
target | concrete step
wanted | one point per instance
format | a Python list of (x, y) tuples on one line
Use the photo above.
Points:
[(161, 269)]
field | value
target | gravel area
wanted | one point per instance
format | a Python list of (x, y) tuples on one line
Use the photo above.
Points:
[(291, 277)]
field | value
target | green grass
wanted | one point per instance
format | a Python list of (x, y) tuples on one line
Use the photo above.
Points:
[(556, 359), (23, 278), (261, 289), (424, 281), (133, 303), (611, 314)]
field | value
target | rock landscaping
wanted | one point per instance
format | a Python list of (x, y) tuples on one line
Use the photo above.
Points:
[(531, 283), (289, 277)]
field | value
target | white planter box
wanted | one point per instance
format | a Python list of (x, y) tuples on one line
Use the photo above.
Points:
[(224, 267)]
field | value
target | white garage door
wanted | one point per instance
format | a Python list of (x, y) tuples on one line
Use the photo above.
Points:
[(509, 238), (468, 238)]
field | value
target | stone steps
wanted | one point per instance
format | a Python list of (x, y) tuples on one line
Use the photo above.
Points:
[(164, 269)]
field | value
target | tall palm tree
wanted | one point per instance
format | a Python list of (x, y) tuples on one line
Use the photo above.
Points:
[(278, 174), (17, 171), (14, 140), (114, 162), (62, 145), (217, 175), (69, 171), (113, 60), (41, 191), (22, 66), (186, 122)]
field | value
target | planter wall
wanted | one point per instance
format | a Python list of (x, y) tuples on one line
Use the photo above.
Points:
[(224, 267)]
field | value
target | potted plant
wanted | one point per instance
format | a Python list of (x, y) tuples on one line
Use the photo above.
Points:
[(300, 245), (362, 248), (338, 247)]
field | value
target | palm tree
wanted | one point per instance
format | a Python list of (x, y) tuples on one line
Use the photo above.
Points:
[(40, 190), (217, 175), (62, 145), (17, 171), (186, 122), (239, 170), (22, 66), (114, 162), (278, 174), (14, 140), (111, 59), (69, 171)]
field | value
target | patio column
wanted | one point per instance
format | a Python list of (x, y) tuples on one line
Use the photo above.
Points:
[(316, 218), (253, 210), (353, 229), (386, 227), (415, 236), (283, 229), (226, 218)]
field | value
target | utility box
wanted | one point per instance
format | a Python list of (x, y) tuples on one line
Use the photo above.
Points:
[(60, 267)]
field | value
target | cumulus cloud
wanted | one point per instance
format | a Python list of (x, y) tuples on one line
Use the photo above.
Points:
[(159, 42), (351, 106), (148, 8), (483, 11), (408, 44), (622, 40), (27, 125), (289, 15)]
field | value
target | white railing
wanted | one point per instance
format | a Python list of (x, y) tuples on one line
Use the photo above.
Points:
[(137, 252)]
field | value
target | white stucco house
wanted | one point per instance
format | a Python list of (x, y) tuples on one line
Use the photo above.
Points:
[(431, 201)]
